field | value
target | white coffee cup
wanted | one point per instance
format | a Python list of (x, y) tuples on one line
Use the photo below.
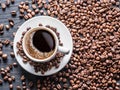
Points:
[(57, 47)]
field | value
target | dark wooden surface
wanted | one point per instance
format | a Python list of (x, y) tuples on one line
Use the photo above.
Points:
[(17, 72)]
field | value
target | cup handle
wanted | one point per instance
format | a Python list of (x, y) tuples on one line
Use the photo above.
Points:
[(63, 49)]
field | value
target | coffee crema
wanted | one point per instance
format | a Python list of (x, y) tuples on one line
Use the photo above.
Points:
[(40, 44)]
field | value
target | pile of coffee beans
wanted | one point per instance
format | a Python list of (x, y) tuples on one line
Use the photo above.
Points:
[(42, 67), (95, 29)]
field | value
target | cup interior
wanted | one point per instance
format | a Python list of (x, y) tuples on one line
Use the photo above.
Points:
[(32, 31)]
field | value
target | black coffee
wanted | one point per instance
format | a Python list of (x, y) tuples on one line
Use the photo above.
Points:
[(43, 41)]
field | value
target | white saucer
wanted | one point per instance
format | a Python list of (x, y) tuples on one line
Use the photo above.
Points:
[(65, 37)]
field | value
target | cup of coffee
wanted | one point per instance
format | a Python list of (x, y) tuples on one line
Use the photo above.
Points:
[(41, 44)]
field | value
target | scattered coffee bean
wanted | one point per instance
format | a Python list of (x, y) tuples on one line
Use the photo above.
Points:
[(6, 42), (1, 45), (1, 82), (12, 1), (21, 16), (18, 87), (34, 6), (8, 69), (26, 17), (7, 3), (29, 15), (5, 78), (1, 27), (11, 87), (13, 13), (3, 6), (23, 83), (1, 53), (4, 56), (7, 27), (11, 24), (24, 87), (22, 78), (10, 80), (13, 78), (36, 11), (30, 84), (12, 54), (15, 64)]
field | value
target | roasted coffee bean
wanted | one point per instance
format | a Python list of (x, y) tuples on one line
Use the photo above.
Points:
[(29, 15), (21, 11), (59, 86), (12, 54), (24, 87), (21, 16), (36, 11), (1, 82), (7, 2), (1, 27), (5, 78), (33, 13), (4, 56), (11, 87), (7, 27), (1, 53), (23, 83), (12, 1), (13, 13), (30, 84), (18, 87), (8, 69), (13, 78), (11, 24), (10, 80), (3, 6), (6, 42), (15, 64), (26, 17), (26, 2), (22, 78), (34, 6)]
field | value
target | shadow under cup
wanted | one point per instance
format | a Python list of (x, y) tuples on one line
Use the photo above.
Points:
[(40, 44)]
